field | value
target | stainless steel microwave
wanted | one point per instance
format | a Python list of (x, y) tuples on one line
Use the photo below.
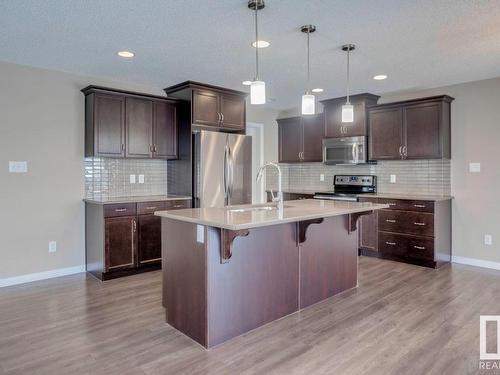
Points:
[(348, 150)]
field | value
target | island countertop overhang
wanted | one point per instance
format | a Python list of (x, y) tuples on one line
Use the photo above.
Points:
[(251, 216)]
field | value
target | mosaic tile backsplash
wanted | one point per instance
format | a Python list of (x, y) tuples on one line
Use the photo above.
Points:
[(426, 177), (110, 178)]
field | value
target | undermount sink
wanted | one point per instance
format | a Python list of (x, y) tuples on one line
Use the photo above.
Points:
[(254, 208)]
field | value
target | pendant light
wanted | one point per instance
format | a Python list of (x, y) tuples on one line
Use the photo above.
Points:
[(257, 87), (347, 108), (308, 100)]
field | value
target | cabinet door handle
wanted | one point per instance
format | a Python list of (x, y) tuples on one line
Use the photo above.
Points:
[(419, 205), (135, 226), (405, 151), (390, 220), (420, 224), (123, 146), (222, 117), (120, 209), (390, 243), (419, 247)]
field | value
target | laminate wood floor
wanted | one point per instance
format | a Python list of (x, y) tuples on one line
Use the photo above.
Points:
[(402, 319)]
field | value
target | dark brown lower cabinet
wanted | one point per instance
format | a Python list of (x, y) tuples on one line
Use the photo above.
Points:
[(411, 231), (124, 239)]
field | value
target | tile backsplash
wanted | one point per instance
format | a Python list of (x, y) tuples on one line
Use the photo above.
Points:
[(110, 178), (426, 177)]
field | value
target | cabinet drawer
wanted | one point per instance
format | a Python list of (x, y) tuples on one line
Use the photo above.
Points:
[(144, 208), (116, 210), (417, 223), (406, 246), (408, 205), (177, 205)]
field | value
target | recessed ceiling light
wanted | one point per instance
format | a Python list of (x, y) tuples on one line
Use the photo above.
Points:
[(379, 77), (261, 44), (247, 83), (317, 90), (126, 54)]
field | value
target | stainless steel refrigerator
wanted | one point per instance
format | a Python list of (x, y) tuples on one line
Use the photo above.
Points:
[(222, 169)]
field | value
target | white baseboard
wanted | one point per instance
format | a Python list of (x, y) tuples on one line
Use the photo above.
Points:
[(476, 262), (41, 275)]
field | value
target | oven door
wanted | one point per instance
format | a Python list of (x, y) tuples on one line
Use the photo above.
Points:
[(348, 150)]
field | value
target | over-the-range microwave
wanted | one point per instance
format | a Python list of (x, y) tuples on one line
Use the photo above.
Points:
[(347, 150)]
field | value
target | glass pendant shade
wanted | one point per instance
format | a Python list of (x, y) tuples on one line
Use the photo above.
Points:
[(258, 92), (347, 113), (308, 104)]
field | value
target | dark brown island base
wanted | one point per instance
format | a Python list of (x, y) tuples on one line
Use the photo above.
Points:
[(229, 270)]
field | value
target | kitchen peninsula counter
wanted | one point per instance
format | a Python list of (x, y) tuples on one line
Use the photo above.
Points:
[(229, 270)]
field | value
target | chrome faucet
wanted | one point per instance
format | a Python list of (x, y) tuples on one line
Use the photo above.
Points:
[(279, 196)]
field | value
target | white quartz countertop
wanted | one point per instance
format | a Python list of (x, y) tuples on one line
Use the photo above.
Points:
[(138, 199), (415, 197), (254, 216)]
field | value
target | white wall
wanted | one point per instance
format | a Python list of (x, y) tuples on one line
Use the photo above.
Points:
[(42, 122)]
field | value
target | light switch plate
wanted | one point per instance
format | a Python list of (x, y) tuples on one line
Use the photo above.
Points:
[(322, 177), (52, 246), (141, 178), (132, 178), (18, 166), (488, 239), (393, 178), (474, 167)]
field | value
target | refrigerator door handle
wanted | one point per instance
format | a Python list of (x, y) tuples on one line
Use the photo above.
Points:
[(226, 174), (231, 173)]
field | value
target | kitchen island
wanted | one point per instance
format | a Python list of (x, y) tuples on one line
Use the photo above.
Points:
[(229, 270)]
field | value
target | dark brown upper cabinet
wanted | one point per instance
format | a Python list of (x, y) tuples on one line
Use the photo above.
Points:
[(335, 128), (127, 124), (212, 107), (413, 129), (300, 139)]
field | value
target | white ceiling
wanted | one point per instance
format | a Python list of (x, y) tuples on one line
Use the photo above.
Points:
[(419, 44)]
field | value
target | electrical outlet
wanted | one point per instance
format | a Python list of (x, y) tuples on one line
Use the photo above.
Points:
[(322, 177), (393, 178), (474, 167), (488, 239), (132, 178), (18, 166), (141, 178), (52, 246)]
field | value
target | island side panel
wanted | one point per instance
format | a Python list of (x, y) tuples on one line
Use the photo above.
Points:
[(328, 260), (184, 278), (257, 285)]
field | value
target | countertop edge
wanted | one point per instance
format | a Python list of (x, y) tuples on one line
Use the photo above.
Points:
[(137, 200)]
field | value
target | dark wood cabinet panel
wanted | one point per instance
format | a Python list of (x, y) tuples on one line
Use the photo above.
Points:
[(119, 209), (108, 126), (149, 228), (313, 128), (232, 109), (120, 243), (290, 140), (290, 196), (416, 223), (422, 125), (144, 208), (139, 130), (385, 133), (165, 130), (177, 204), (205, 108), (368, 228)]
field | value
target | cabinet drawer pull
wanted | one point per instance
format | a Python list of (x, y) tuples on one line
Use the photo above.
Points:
[(390, 243), (150, 208), (392, 204), (419, 205), (120, 209), (420, 224), (178, 205), (390, 220), (419, 247)]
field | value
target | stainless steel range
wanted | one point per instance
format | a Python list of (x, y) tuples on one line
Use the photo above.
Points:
[(348, 187)]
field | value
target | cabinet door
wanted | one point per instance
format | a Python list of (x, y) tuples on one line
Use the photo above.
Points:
[(165, 131), (313, 133), (109, 125), (149, 239), (290, 139), (368, 229), (139, 127), (422, 125), (335, 128), (232, 108), (386, 133), (120, 242), (205, 108)]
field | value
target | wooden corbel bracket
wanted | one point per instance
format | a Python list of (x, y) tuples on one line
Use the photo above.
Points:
[(353, 220), (227, 237), (302, 228)]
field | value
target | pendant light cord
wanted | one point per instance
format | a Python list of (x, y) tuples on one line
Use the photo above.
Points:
[(256, 42), (348, 83), (308, 65)]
